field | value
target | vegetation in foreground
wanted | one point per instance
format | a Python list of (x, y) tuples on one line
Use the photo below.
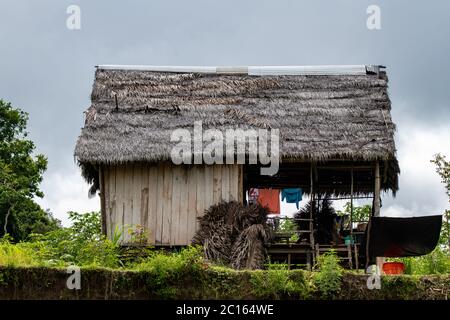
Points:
[(82, 244), (170, 274)]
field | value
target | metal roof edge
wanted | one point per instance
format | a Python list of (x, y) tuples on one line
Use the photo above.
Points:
[(255, 70)]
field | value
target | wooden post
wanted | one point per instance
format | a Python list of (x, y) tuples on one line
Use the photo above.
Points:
[(377, 205), (311, 225), (351, 215), (376, 202), (351, 204)]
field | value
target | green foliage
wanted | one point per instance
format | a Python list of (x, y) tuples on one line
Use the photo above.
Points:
[(222, 282), (20, 176), (444, 238), (138, 234), (279, 282), (289, 226), (329, 277), (437, 262), (81, 244), (167, 269), (14, 255), (443, 170), (360, 213)]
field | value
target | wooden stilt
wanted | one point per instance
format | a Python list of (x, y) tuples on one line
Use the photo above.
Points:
[(351, 203), (311, 224), (377, 205)]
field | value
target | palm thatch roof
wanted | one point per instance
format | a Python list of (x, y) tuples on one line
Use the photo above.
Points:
[(321, 115)]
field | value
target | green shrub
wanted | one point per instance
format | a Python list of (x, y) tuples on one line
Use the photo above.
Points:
[(328, 279), (437, 262), (82, 244), (278, 282), (167, 269), (14, 255)]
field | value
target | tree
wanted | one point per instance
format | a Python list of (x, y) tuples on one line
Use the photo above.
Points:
[(443, 169), (360, 213), (20, 176)]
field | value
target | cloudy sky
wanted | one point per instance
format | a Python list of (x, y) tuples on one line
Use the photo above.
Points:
[(47, 69)]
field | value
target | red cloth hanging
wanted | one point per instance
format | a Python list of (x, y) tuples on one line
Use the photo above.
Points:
[(270, 198)]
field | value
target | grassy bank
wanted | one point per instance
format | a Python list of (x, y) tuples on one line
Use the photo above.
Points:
[(210, 283)]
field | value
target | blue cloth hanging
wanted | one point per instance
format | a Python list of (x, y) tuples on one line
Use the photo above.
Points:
[(292, 195)]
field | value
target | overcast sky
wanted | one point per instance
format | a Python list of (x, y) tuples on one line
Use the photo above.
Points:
[(47, 69)]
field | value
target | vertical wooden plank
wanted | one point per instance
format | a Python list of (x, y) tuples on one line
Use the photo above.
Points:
[(184, 209), (176, 196), (119, 216), (128, 201), (192, 203), (159, 204), (207, 173), (225, 185), (107, 205), (200, 191), (112, 200), (152, 202), (234, 170), (101, 178), (167, 204), (240, 183), (136, 188), (144, 210), (217, 183)]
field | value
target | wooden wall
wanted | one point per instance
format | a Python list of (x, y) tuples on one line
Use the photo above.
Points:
[(166, 199)]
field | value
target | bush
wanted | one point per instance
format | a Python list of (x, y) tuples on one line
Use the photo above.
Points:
[(278, 282), (437, 262), (329, 277), (14, 255), (166, 269), (81, 244)]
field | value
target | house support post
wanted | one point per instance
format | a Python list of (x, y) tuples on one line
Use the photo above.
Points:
[(377, 205), (351, 203), (311, 210)]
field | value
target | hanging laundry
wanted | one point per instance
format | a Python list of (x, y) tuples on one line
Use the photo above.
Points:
[(253, 195), (292, 195), (270, 198)]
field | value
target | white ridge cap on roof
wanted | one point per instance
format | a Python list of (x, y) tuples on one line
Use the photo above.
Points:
[(251, 70)]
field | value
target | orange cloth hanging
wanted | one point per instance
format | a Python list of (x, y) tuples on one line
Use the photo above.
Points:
[(270, 198)]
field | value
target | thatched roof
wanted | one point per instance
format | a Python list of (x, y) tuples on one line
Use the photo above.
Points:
[(321, 115)]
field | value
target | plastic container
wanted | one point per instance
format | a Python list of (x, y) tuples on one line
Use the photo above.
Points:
[(393, 267), (348, 240)]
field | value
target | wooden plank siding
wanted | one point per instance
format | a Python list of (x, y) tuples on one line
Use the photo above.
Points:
[(164, 198)]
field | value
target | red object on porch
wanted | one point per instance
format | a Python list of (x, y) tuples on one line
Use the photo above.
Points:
[(393, 267)]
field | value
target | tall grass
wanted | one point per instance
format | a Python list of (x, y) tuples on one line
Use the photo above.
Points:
[(15, 255)]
